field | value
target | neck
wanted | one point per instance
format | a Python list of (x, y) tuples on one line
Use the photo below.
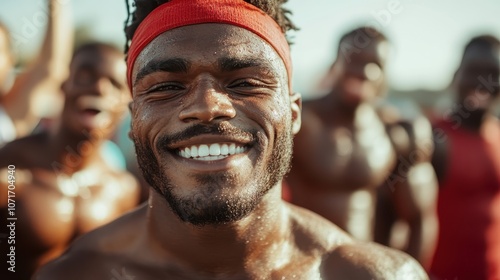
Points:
[(470, 120), (230, 248), (73, 151)]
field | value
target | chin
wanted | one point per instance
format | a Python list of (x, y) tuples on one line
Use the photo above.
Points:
[(213, 205)]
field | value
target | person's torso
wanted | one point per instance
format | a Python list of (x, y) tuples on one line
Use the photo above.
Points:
[(469, 206), (51, 209), (336, 168)]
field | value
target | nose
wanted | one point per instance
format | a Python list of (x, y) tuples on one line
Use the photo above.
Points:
[(356, 72), (207, 103), (101, 86)]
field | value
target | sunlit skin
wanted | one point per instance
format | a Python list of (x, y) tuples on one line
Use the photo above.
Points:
[(64, 187), (348, 148), (272, 239)]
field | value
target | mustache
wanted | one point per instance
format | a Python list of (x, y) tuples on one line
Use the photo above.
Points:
[(222, 129)]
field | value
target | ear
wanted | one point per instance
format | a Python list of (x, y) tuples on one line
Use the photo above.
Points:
[(130, 106), (296, 106), (131, 110)]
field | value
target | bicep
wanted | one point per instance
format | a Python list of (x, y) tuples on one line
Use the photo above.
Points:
[(415, 196)]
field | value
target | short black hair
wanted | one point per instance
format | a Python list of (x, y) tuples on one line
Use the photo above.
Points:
[(367, 31), (143, 8), (96, 46), (483, 42)]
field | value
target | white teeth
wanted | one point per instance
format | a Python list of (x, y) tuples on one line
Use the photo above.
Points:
[(211, 152), (203, 151), (215, 150), (232, 149), (211, 158), (194, 151), (224, 149)]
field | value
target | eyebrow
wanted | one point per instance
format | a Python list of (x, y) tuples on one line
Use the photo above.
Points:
[(174, 65), (178, 65), (228, 64)]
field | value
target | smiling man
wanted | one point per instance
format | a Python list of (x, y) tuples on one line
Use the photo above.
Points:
[(64, 186), (213, 117)]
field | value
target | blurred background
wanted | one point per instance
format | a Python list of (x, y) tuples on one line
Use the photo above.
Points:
[(428, 37)]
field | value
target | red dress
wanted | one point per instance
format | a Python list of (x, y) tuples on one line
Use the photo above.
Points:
[(469, 206)]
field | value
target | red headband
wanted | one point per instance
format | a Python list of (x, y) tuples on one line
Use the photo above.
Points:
[(178, 13)]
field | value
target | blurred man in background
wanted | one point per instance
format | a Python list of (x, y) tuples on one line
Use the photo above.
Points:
[(348, 147), (63, 184), (467, 162)]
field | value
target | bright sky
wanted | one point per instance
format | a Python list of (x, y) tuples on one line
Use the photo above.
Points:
[(428, 35)]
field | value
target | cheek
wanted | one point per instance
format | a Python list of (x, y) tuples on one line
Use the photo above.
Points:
[(275, 115), (149, 121)]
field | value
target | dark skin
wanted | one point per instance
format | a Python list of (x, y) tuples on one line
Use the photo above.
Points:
[(272, 239), (64, 187), (348, 148), (470, 91)]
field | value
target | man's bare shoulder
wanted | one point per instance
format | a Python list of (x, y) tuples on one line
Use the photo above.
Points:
[(17, 152), (97, 253), (344, 258), (411, 133), (368, 260), (312, 229)]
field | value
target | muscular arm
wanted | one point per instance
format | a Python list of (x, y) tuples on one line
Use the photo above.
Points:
[(370, 261), (415, 204), (414, 190), (43, 77)]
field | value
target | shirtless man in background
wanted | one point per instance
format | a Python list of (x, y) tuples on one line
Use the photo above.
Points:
[(213, 116), (347, 148), (63, 186)]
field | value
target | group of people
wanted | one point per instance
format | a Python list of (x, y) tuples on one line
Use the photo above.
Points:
[(247, 180)]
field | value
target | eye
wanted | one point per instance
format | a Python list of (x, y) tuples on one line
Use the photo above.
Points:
[(116, 83), (165, 87), (245, 84), (252, 87)]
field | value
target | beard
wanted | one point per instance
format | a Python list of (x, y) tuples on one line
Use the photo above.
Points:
[(216, 202)]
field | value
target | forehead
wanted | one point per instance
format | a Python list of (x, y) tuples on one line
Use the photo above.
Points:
[(205, 43), (99, 59), (482, 59), (371, 49)]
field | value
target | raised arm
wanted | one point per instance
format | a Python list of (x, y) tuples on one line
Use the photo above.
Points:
[(39, 84)]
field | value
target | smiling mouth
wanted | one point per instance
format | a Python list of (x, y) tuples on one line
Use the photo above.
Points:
[(91, 111), (207, 152)]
